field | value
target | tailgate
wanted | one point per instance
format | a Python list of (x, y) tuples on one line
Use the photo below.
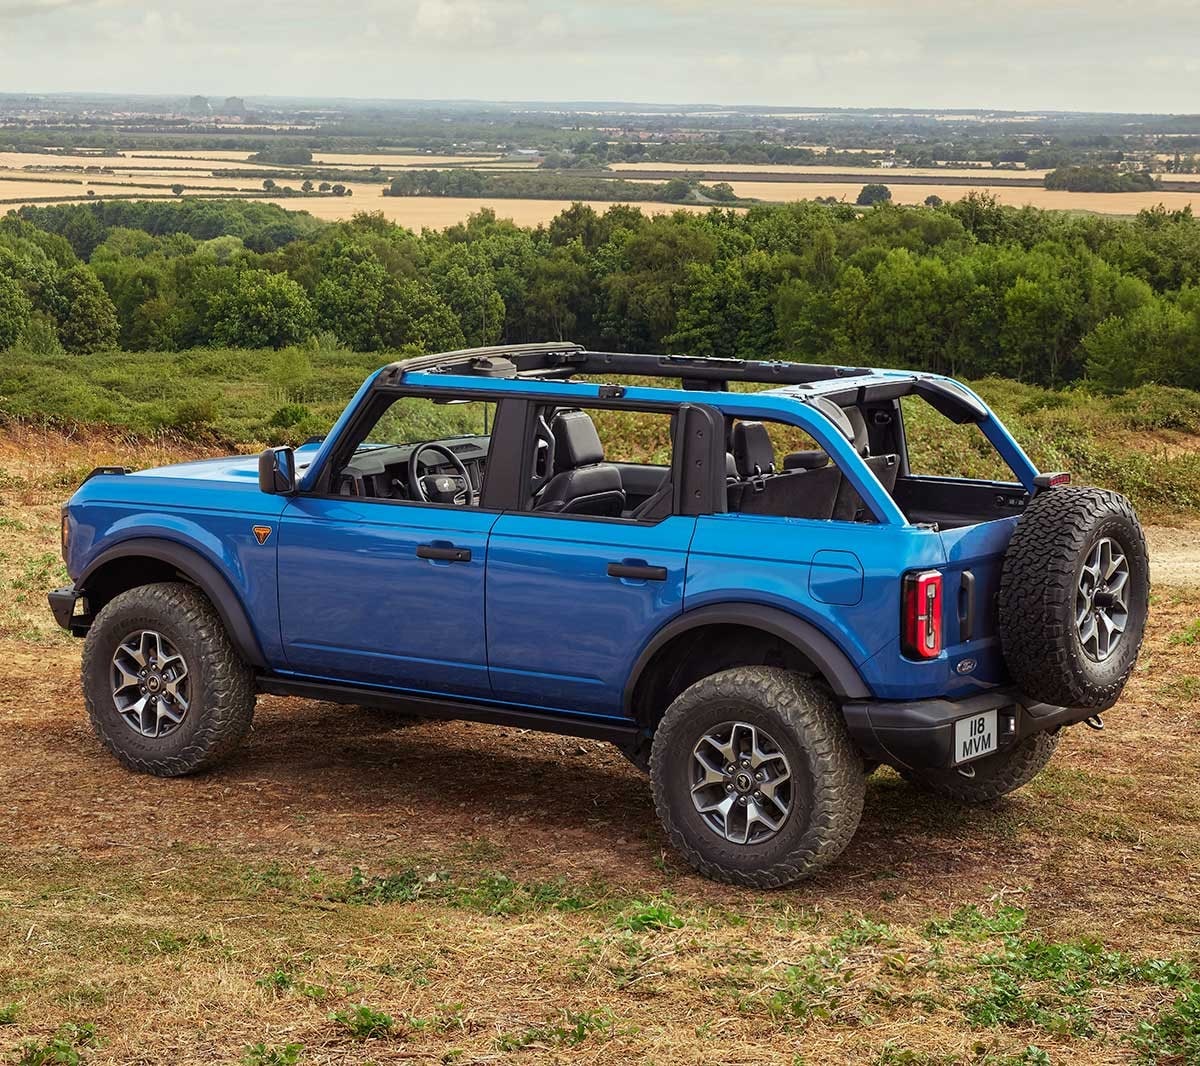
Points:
[(971, 583)]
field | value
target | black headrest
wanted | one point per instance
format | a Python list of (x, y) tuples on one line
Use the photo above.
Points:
[(812, 460), (752, 449), (576, 442), (859, 425)]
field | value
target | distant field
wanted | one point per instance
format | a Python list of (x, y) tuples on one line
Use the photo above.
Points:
[(1113, 203), (30, 177)]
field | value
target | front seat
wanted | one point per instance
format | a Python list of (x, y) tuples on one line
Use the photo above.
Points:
[(583, 483), (753, 453)]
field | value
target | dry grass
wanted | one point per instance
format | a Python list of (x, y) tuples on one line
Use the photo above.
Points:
[(517, 900)]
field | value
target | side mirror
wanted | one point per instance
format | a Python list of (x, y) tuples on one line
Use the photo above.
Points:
[(277, 471)]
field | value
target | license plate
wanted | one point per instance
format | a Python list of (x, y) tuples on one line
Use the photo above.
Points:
[(975, 736)]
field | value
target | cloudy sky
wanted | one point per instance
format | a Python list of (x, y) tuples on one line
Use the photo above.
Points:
[(1103, 55)]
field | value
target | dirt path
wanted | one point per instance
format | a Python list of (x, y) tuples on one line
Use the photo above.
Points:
[(1175, 554)]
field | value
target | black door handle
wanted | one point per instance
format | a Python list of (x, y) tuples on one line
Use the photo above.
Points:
[(450, 554), (966, 607), (637, 572)]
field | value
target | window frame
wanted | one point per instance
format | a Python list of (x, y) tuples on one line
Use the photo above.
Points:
[(368, 414), (688, 468)]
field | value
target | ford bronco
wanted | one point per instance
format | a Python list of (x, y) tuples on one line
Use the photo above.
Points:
[(760, 603)]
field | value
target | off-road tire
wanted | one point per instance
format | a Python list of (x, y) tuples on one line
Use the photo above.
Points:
[(802, 717), (1038, 583), (221, 704), (995, 775)]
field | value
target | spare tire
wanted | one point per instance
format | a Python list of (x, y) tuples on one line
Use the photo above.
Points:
[(1074, 590)]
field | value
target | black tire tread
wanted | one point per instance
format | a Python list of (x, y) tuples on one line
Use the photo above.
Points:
[(228, 713), (809, 709), (992, 780), (1037, 577)]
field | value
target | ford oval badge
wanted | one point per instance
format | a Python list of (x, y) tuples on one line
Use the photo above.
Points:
[(966, 666)]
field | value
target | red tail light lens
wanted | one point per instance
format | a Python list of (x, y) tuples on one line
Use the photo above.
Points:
[(921, 615)]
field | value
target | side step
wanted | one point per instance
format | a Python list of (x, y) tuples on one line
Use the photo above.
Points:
[(590, 727)]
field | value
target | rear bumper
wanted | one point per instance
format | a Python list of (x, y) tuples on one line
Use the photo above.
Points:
[(920, 734)]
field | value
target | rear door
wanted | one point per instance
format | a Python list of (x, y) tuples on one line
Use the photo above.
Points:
[(573, 599)]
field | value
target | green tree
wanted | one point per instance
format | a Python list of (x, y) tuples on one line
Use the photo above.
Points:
[(873, 194), (15, 310), (88, 320), (261, 310)]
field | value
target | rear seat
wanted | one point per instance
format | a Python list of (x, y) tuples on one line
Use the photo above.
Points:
[(806, 488)]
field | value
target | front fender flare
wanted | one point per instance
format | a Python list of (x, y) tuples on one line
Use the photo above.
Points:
[(192, 565), (831, 662)]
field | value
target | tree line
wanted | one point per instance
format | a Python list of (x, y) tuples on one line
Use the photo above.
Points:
[(969, 288)]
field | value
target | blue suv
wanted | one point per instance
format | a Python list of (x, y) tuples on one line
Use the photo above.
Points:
[(729, 569)]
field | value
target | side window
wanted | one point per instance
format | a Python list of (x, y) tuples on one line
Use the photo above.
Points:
[(601, 462), (420, 451)]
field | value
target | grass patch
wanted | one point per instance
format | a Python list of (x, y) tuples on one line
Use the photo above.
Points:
[(365, 1023), (62, 1049), (262, 1055), (572, 1030), (1174, 1036)]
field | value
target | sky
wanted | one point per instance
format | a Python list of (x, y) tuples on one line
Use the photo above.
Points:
[(1081, 55)]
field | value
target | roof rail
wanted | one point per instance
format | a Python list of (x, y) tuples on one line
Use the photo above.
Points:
[(561, 360), (497, 360)]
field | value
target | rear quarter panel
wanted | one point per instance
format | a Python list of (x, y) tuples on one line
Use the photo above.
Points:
[(801, 565)]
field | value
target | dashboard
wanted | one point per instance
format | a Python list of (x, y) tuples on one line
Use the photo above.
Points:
[(381, 471)]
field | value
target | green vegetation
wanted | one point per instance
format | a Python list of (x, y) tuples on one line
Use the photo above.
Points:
[(870, 195), (284, 154), (62, 1049), (365, 1023), (248, 398), (1099, 179), (969, 288), (572, 1030), (261, 1055)]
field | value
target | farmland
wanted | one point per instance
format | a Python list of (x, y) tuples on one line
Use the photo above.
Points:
[(36, 177)]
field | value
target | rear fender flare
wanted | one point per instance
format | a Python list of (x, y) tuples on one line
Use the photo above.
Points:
[(831, 662), (203, 574)]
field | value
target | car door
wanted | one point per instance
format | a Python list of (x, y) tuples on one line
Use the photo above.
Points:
[(385, 594), (573, 599), (387, 591)]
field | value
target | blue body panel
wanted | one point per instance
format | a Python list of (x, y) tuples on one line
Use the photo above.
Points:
[(356, 602), (561, 631), (338, 592)]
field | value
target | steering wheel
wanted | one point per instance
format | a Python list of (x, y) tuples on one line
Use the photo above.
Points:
[(464, 491)]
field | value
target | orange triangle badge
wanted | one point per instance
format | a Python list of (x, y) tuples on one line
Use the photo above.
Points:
[(261, 533)]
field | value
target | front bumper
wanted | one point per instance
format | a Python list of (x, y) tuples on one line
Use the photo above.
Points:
[(920, 734), (62, 605)]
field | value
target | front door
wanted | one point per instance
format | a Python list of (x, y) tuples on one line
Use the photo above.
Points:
[(385, 594), (381, 569)]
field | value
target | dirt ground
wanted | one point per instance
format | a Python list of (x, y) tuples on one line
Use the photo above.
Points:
[(346, 890)]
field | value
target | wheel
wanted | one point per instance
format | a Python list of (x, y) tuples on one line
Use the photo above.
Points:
[(991, 777), (165, 690), (1074, 590), (755, 778)]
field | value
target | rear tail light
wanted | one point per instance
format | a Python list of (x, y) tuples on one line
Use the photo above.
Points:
[(921, 615)]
